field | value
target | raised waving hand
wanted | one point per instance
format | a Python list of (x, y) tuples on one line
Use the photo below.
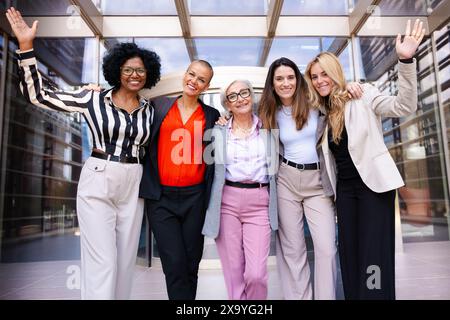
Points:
[(25, 35), (407, 48)]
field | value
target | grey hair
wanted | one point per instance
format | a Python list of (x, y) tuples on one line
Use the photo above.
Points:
[(224, 89)]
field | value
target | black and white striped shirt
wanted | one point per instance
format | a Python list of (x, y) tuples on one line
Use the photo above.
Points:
[(113, 130)]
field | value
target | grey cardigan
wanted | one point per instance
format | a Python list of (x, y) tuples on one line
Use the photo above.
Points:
[(219, 141)]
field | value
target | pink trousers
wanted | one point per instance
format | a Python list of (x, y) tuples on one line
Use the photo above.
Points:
[(244, 242)]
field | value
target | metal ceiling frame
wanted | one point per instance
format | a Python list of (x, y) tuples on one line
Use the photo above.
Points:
[(185, 22), (189, 27)]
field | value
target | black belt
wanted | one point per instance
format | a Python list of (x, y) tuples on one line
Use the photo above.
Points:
[(306, 166), (245, 185), (109, 157)]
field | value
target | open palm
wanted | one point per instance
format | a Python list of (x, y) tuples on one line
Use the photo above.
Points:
[(22, 31), (407, 48)]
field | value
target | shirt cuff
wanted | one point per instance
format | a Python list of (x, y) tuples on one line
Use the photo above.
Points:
[(27, 54), (410, 60)]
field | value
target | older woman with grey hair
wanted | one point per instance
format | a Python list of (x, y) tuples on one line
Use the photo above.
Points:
[(243, 205)]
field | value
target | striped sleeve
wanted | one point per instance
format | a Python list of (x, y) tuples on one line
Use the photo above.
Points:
[(33, 90)]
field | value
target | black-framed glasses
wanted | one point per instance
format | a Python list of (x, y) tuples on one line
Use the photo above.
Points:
[(128, 71), (244, 93)]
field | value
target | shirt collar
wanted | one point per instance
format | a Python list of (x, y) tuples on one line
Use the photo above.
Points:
[(142, 100), (257, 124)]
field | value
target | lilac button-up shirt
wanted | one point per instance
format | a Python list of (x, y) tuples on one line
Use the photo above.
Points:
[(246, 157)]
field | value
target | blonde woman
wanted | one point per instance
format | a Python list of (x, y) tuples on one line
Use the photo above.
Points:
[(303, 187), (362, 172)]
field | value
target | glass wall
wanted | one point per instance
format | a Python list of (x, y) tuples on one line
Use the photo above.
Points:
[(416, 141), (42, 152), (442, 60), (407, 7), (42, 157), (2, 173)]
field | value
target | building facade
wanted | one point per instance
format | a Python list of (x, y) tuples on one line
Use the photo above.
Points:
[(42, 152)]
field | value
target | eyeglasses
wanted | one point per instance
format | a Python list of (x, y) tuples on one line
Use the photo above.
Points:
[(128, 71), (244, 93)]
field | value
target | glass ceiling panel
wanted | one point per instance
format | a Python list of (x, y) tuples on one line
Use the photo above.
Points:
[(315, 7), (137, 7), (407, 7), (299, 50), (43, 7), (228, 7), (172, 51), (229, 51), (333, 44)]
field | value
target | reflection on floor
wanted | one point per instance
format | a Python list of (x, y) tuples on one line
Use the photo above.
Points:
[(56, 247), (423, 272)]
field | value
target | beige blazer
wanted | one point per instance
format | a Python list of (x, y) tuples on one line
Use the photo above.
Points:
[(365, 134)]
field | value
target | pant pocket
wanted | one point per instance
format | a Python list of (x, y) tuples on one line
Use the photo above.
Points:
[(92, 178)]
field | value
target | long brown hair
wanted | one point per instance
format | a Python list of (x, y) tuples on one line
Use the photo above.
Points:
[(270, 101), (335, 102)]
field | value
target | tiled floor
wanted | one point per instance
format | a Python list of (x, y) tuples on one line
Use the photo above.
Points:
[(423, 272)]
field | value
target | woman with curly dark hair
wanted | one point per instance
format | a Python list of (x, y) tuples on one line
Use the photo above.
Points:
[(108, 206)]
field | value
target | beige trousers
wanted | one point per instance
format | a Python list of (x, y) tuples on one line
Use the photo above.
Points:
[(300, 195), (110, 216)]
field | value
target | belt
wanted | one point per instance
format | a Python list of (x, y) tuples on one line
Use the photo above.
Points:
[(306, 166), (109, 157), (245, 185)]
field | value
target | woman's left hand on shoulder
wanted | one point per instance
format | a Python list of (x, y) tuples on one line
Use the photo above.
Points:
[(93, 87), (222, 121), (355, 90)]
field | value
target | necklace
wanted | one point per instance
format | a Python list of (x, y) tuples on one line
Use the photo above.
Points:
[(287, 110), (245, 131)]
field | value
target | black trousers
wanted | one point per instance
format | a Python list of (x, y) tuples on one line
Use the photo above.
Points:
[(366, 234), (176, 221)]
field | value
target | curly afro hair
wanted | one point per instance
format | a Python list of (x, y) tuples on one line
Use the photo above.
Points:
[(120, 53)]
